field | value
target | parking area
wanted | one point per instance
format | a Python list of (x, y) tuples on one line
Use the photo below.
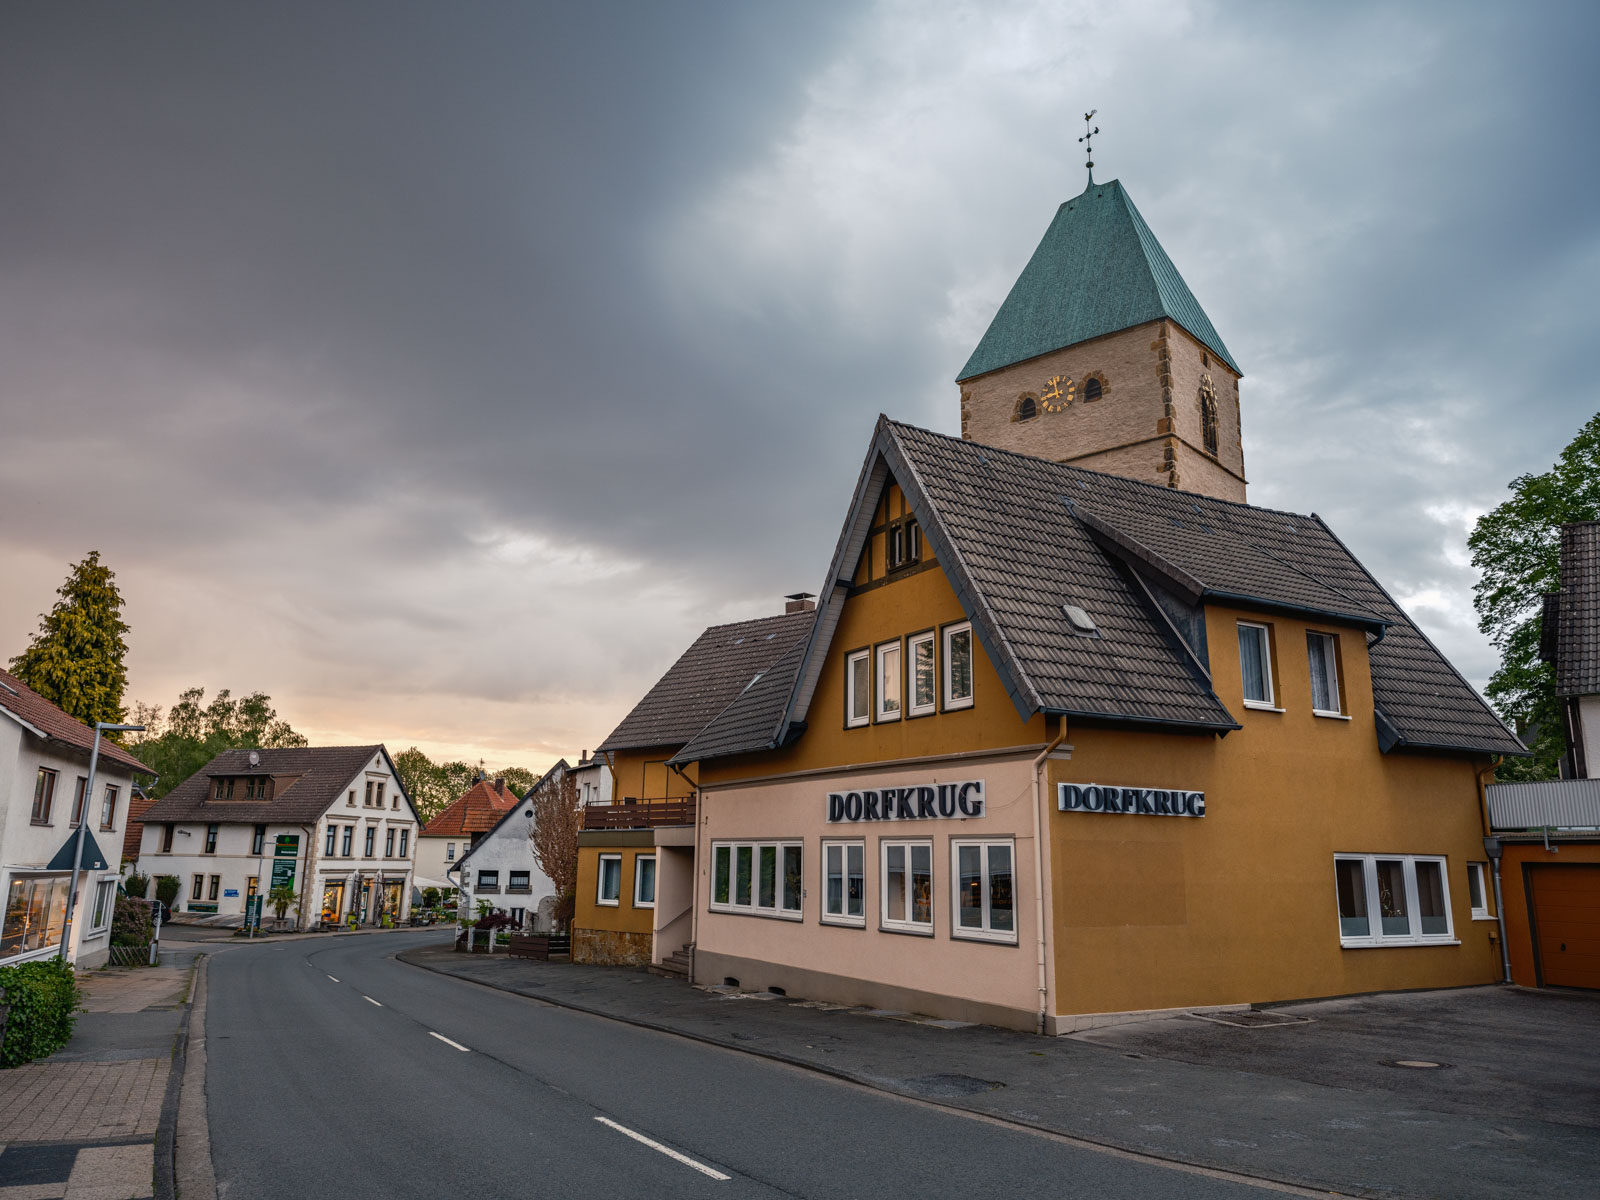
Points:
[(1513, 1051)]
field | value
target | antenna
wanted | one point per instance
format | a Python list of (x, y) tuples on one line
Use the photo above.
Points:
[(255, 759), (1088, 146)]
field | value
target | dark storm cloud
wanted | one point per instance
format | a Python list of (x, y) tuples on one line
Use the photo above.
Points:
[(469, 358)]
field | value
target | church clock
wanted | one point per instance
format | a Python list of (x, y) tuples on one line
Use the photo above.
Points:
[(1056, 394)]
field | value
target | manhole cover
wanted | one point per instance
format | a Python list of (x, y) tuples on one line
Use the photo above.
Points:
[(1251, 1018), (1415, 1064), (949, 1085)]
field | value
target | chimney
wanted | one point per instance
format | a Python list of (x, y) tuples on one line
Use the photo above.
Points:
[(500, 786), (799, 602)]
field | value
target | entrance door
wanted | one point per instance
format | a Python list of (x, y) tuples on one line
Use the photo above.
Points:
[(1566, 923), (391, 899), (333, 902), (365, 901)]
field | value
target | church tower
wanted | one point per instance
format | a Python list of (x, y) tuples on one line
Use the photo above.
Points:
[(1102, 357)]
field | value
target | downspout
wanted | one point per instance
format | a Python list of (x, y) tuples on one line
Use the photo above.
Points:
[(1491, 847), (1038, 872)]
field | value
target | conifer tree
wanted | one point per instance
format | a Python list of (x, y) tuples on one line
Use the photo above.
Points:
[(77, 659)]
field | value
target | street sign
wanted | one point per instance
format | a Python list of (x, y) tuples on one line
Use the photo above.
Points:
[(230, 893), (252, 912), (288, 846)]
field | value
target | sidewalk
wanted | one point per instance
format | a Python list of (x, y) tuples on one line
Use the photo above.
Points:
[(1393, 1136), (82, 1123)]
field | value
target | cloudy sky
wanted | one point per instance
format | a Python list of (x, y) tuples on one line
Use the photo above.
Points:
[(442, 369)]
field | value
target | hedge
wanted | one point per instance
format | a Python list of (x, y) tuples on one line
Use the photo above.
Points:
[(41, 1001)]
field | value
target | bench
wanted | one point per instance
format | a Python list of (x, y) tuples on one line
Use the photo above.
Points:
[(543, 946)]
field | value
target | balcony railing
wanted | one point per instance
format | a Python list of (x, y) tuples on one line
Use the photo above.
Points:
[(639, 814)]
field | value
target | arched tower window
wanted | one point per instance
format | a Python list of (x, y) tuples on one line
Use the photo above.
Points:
[(1092, 388), (1027, 407), (1208, 415)]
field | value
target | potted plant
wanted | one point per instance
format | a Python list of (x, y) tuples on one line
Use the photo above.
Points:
[(282, 899)]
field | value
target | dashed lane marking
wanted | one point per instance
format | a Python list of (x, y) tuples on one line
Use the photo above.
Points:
[(448, 1042), (667, 1150), (370, 1000), (331, 977)]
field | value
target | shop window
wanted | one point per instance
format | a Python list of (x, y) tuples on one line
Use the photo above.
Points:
[(78, 792), (908, 887), (1255, 664), (36, 910), (1322, 650), (258, 841), (347, 847), (519, 881), (644, 881), (858, 688), (958, 665), (1392, 900), (328, 846), (211, 839), (44, 795), (983, 874), (760, 878), (924, 676), (488, 881), (844, 885), (888, 690), (105, 899), (610, 888), (1478, 890)]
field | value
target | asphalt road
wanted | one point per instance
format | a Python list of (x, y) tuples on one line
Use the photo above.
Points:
[(335, 1071)]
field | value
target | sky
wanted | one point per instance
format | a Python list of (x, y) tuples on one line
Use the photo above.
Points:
[(443, 370)]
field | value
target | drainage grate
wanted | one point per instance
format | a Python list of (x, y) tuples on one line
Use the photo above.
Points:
[(949, 1085), (1251, 1018)]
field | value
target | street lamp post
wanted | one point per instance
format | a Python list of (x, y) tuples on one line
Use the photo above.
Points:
[(83, 827)]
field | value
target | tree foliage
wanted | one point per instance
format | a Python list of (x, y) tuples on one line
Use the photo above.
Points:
[(77, 658), (433, 787), (557, 817), (1517, 550), (179, 742)]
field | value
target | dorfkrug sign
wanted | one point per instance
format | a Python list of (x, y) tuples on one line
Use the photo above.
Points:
[(1107, 798), (926, 802)]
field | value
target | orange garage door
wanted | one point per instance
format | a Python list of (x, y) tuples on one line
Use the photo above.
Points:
[(1566, 920)]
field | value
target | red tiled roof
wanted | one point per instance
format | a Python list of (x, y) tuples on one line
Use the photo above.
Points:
[(137, 807), (32, 709), (479, 808)]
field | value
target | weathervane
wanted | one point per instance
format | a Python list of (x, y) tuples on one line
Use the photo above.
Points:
[(1088, 146)]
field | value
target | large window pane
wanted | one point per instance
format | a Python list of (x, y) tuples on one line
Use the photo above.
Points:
[(923, 682), (894, 875), (767, 892), (860, 684), (855, 882), (958, 666), (644, 870), (1393, 915), (56, 916), (791, 878), (1351, 875), (922, 884), (1475, 886), (1001, 902), (1324, 675), (16, 925), (742, 862), (721, 859), (833, 867), (969, 862), (1253, 663), (1430, 899), (889, 681)]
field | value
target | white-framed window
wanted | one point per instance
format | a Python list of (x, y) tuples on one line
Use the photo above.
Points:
[(763, 878), (889, 681), (1255, 664), (858, 688), (1322, 654), (1478, 890), (844, 884), (907, 886), (958, 665), (610, 887), (449, 852), (923, 674), (1392, 899), (644, 881), (105, 902), (983, 878)]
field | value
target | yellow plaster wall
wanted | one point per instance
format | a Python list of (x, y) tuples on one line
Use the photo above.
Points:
[(588, 913), (643, 775)]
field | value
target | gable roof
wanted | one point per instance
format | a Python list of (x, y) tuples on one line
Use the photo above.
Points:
[(1019, 537), (1097, 270), (474, 811), (1571, 632), (138, 805), (323, 773), (43, 719), (706, 678)]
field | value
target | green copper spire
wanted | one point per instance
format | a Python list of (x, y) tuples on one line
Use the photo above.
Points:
[(1098, 270)]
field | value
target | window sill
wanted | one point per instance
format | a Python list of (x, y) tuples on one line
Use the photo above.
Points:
[(43, 824), (1332, 716), (908, 930), (844, 922), (956, 705), (636, 904), (1263, 706), (1482, 916), (978, 935), (511, 891), (609, 903), (1389, 943), (770, 914)]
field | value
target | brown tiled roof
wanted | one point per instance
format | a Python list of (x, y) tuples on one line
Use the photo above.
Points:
[(718, 667), (138, 805), (320, 775), (475, 811), (1577, 611), (34, 710)]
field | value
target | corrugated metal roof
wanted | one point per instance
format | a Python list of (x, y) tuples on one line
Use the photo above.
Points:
[(1098, 269), (1544, 804)]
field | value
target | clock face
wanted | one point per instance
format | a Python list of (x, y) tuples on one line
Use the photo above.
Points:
[(1056, 394)]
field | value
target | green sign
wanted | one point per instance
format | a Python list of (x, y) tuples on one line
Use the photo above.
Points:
[(252, 912), (288, 846), (283, 873)]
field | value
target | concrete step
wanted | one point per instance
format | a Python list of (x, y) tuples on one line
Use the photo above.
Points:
[(669, 969)]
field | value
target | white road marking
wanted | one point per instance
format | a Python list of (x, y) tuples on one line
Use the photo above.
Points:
[(448, 1042), (667, 1150), (370, 1000), (331, 977)]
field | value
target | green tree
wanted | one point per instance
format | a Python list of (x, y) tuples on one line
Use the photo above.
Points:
[(1517, 549), (76, 660), (190, 734)]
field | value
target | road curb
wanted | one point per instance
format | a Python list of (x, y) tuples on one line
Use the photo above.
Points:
[(183, 1142), (1188, 1166)]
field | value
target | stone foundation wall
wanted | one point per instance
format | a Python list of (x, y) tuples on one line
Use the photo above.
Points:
[(609, 948)]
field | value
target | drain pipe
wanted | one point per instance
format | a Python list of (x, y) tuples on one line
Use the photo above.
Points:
[(1038, 871), (1491, 847)]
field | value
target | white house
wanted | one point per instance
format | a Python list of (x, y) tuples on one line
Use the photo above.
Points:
[(44, 769), (451, 834), (593, 777), (334, 823), (499, 868)]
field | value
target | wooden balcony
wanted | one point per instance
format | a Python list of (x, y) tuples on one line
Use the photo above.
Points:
[(639, 814)]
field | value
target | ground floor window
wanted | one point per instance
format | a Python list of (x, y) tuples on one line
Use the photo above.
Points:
[(105, 898), (757, 877), (610, 891), (1478, 889), (36, 910), (197, 888), (844, 885), (908, 886), (215, 889), (983, 874), (333, 902), (644, 881), (1392, 899)]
